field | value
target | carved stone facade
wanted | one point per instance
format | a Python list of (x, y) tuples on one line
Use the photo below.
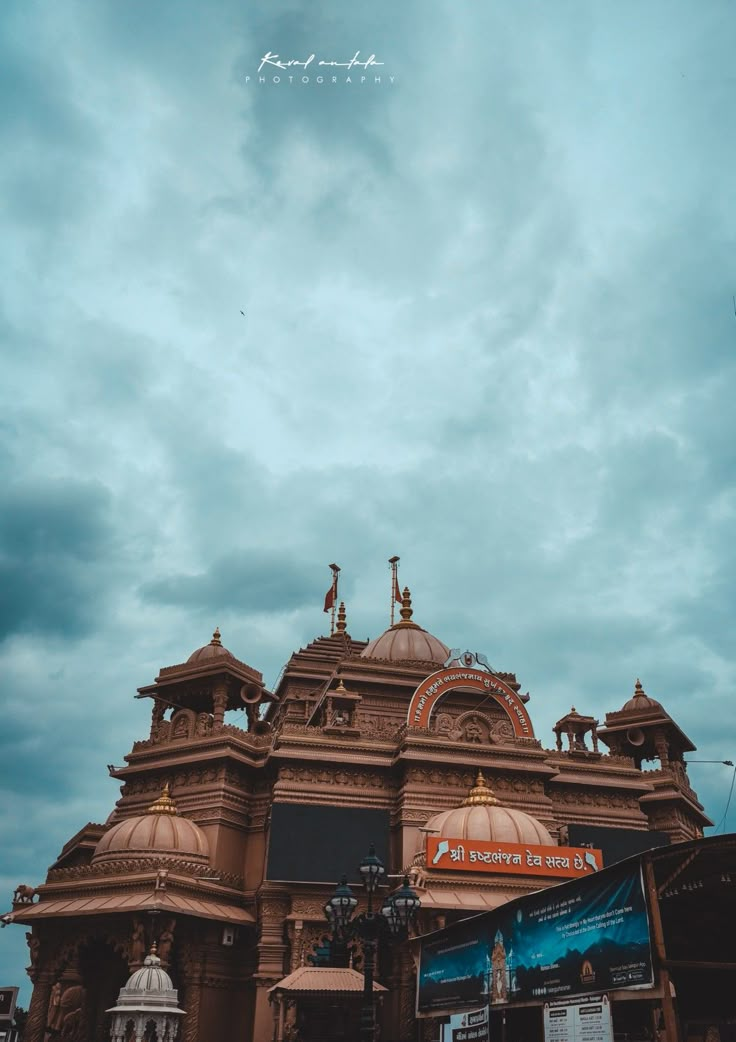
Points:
[(337, 732)]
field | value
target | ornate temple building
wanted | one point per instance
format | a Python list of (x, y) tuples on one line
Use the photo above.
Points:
[(241, 809)]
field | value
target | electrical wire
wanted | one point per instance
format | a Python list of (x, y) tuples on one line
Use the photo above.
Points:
[(728, 804)]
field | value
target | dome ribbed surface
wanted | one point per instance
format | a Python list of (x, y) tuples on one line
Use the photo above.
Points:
[(491, 823), (149, 991), (406, 642), (160, 832), (150, 978), (409, 643), (213, 650), (640, 701)]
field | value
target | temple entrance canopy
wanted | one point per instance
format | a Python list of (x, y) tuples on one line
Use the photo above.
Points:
[(468, 671), (319, 1004)]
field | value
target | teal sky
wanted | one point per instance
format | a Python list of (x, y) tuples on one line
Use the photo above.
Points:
[(489, 326)]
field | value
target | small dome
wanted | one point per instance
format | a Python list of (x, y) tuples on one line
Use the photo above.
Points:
[(161, 831), (150, 977), (210, 651), (149, 990), (480, 817), (406, 641), (640, 702)]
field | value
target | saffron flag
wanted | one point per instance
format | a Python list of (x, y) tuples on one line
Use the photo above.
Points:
[(397, 591), (330, 598)]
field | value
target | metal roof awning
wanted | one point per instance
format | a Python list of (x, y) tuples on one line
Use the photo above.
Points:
[(313, 980), (468, 900), (175, 904)]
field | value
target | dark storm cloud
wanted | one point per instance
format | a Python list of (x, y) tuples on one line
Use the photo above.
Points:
[(54, 539), (247, 581)]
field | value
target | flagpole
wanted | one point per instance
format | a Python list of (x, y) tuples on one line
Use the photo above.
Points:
[(335, 572), (394, 562)]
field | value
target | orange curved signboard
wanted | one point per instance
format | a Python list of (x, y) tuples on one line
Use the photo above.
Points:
[(436, 686), (518, 859)]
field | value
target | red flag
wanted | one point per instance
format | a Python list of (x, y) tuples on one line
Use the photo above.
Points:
[(330, 598), (397, 592), (331, 595)]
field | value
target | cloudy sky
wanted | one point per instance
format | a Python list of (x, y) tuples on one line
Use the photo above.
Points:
[(488, 327)]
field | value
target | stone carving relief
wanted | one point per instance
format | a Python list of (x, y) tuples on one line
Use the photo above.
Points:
[(183, 724), (596, 799), (327, 776), (34, 949), (444, 724), (274, 911), (305, 942), (66, 1013), (444, 778), (137, 947), (24, 894), (502, 731), (181, 780), (375, 725)]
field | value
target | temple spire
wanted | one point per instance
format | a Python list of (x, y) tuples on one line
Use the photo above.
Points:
[(481, 794), (406, 609), (164, 804)]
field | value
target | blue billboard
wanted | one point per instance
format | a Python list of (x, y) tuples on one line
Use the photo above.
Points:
[(589, 935)]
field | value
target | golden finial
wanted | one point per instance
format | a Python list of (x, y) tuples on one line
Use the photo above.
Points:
[(340, 689), (164, 804), (406, 609), (481, 794), (216, 637), (639, 691), (341, 623)]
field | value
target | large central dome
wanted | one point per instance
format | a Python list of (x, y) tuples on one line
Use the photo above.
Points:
[(406, 641)]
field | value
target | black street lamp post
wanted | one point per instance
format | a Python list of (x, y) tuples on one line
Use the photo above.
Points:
[(397, 912)]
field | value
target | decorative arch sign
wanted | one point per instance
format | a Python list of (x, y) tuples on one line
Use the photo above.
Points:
[(453, 678)]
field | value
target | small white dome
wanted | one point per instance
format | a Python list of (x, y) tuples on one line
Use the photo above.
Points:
[(150, 977), (149, 990)]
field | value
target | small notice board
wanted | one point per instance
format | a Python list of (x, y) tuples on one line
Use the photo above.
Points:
[(587, 1020)]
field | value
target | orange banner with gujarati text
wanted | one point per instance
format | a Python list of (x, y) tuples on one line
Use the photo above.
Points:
[(519, 859)]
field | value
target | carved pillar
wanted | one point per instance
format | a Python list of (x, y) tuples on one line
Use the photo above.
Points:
[(298, 942), (272, 949), (157, 715), (279, 1018), (190, 1032), (73, 1003), (662, 748), (38, 1009), (219, 703)]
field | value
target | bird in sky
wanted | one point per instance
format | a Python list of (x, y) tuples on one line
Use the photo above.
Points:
[(243, 314)]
